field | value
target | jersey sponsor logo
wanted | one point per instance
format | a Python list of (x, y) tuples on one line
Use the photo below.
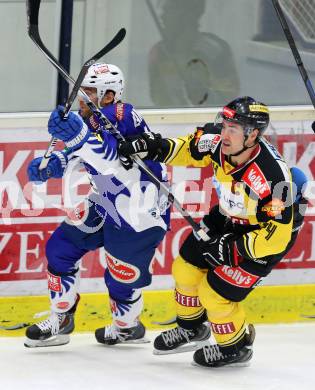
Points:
[(120, 270), (232, 204), (236, 276), (226, 328), (216, 139), (274, 207), (54, 282), (240, 221), (256, 180), (228, 112), (120, 110), (198, 135), (186, 300), (93, 123), (208, 142)]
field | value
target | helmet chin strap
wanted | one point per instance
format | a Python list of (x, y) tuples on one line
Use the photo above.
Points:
[(244, 147)]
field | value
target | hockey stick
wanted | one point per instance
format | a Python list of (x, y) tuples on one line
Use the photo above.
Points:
[(32, 12), (295, 52), (32, 7), (170, 196), (111, 128), (114, 42)]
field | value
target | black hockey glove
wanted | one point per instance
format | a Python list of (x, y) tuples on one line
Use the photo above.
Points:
[(146, 146), (220, 250)]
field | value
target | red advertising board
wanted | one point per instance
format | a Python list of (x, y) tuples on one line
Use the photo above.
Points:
[(27, 220)]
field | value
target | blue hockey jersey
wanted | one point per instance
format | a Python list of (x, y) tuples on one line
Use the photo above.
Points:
[(123, 198)]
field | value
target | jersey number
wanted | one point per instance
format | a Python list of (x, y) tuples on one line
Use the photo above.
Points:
[(137, 118), (271, 228)]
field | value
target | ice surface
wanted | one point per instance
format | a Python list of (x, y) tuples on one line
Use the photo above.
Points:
[(284, 359)]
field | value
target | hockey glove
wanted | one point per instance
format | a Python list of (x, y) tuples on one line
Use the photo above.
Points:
[(146, 146), (220, 250), (72, 130), (55, 168)]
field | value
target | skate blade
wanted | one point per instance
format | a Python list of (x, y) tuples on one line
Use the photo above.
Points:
[(184, 348), (241, 364), (60, 339), (137, 341)]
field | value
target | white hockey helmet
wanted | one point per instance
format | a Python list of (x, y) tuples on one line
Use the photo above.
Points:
[(105, 77)]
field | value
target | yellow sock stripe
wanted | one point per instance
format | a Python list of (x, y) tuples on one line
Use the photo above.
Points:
[(238, 336), (193, 316)]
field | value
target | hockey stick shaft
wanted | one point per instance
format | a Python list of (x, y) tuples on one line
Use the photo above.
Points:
[(33, 25), (110, 46), (171, 198), (76, 87), (295, 52)]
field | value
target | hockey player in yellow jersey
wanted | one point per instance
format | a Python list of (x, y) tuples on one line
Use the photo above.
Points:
[(256, 222)]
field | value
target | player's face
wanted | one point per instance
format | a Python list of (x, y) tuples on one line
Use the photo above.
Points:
[(92, 94), (232, 135), (108, 98)]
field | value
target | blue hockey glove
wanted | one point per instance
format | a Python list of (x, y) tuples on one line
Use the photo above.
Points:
[(299, 180), (55, 168), (72, 130)]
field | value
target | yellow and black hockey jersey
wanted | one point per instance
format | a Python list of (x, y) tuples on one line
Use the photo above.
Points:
[(257, 194)]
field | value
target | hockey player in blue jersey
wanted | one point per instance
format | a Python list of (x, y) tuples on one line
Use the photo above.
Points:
[(125, 213)]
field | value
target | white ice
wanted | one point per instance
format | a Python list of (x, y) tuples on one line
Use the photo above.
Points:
[(284, 359)]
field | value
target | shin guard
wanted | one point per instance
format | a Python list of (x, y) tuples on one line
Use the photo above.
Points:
[(63, 290)]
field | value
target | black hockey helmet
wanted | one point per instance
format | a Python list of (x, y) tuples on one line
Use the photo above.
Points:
[(247, 112)]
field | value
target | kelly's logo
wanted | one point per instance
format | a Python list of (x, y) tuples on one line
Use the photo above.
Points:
[(256, 180), (236, 276)]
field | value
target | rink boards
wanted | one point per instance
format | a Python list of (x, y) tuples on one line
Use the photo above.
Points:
[(29, 215)]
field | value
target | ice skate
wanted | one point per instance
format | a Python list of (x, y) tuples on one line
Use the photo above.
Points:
[(112, 335), (53, 331), (179, 340), (214, 356)]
